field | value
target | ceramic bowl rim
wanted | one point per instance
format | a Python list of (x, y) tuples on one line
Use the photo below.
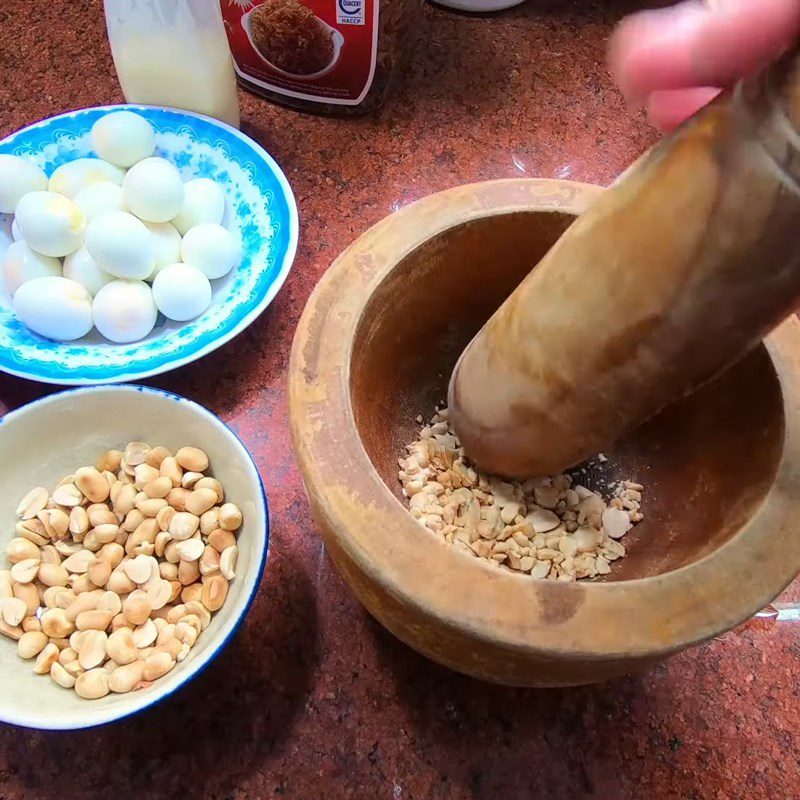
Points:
[(201, 663), (169, 364)]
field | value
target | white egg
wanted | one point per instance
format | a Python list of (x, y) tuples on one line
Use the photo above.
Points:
[(204, 201), (73, 176), (18, 176), (99, 198), (83, 269), (15, 234), (167, 243), (54, 307), (121, 245), (123, 138), (153, 190), (50, 223), (214, 250), (181, 292), (124, 311), (21, 264)]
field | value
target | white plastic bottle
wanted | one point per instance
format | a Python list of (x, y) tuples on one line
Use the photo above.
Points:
[(173, 53)]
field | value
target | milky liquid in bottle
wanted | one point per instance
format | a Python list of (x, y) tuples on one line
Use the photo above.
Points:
[(173, 53)]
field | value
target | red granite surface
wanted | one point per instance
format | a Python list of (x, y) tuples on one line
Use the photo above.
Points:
[(314, 698)]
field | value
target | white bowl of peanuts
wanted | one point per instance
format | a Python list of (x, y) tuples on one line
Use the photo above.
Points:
[(133, 535)]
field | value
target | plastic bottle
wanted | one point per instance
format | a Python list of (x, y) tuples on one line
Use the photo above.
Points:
[(173, 53)]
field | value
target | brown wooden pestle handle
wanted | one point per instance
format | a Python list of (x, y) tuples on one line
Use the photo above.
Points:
[(674, 274)]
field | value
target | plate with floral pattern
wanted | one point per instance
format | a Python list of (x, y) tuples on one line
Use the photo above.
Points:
[(260, 209)]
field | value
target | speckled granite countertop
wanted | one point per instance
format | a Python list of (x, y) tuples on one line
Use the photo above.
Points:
[(314, 698)]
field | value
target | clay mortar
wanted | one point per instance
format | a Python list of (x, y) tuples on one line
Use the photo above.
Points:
[(375, 348)]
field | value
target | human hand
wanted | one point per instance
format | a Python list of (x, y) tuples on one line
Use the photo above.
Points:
[(674, 60)]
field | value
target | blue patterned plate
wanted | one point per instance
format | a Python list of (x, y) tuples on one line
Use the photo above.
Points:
[(260, 207)]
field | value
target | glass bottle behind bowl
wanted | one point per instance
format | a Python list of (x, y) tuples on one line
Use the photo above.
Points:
[(362, 44), (173, 53)]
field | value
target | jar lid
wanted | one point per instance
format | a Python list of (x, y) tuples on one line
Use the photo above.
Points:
[(479, 6)]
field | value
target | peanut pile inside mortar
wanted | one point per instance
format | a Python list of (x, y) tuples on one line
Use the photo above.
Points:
[(547, 527)]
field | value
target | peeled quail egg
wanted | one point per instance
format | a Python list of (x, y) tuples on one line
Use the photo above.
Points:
[(167, 243), (15, 234), (204, 201), (18, 177), (21, 264), (153, 190), (123, 138), (121, 245), (99, 198), (214, 250), (57, 308), (50, 224), (73, 176), (124, 311), (83, 269), (181, 292)]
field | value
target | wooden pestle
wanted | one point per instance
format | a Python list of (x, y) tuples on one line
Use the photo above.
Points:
[(673, 275)]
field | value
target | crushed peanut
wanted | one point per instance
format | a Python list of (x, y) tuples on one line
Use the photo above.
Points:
[(112, 576), (546, 527)]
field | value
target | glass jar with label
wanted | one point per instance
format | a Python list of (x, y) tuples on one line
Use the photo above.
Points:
[(324, 56)]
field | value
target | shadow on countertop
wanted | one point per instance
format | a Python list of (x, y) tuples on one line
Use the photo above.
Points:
[(576, 729), (237, 712)]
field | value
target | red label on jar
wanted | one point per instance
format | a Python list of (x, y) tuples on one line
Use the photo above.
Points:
[(317, 50)]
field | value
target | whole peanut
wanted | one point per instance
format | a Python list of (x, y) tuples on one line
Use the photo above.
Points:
[(115, 574)]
